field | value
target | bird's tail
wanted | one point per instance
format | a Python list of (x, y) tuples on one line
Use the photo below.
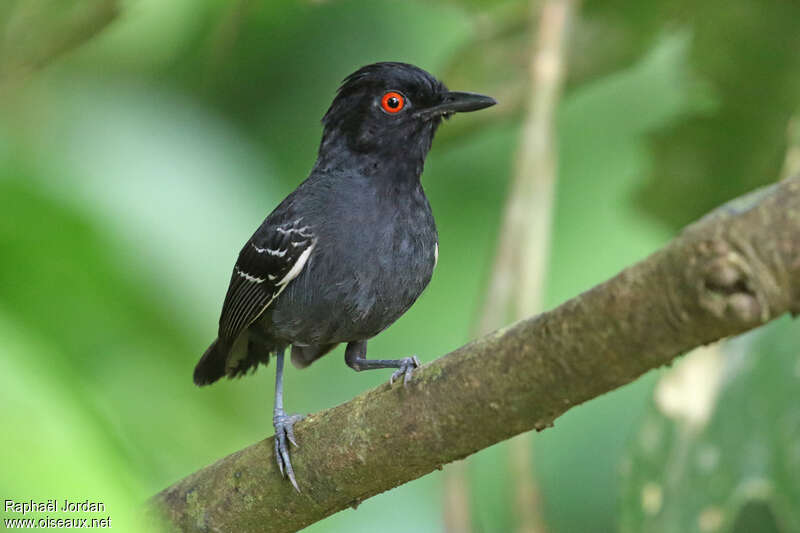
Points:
[(211, 366)]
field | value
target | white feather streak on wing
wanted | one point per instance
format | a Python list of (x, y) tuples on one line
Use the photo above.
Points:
[(300, 231), (293, 273), (248, 277), (297, 267), (436, 255), (273, 259), (276, 253)]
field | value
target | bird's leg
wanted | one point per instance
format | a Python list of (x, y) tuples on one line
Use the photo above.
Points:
[(284, 425), (355, 357)]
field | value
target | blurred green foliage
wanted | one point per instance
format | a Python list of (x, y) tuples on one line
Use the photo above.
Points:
[(134, 167), (723, 459)]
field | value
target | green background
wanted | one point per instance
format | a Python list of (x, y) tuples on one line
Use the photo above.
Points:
[(133, 168)]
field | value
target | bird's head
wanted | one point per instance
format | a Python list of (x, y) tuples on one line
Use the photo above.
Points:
[(391, 109)]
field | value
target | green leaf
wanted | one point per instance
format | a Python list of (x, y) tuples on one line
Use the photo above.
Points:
[(719, 449)]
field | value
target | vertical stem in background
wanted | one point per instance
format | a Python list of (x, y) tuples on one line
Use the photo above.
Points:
[(456, 498), (791, 162), (524, 237), (530, 208), (530, 212), (523, 252)]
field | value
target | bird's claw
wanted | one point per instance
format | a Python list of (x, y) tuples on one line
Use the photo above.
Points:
[(284, 430), (407, 365)]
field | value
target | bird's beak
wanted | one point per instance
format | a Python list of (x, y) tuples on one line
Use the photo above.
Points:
[(458, 102)]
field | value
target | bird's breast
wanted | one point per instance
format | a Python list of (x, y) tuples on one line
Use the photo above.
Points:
[(401, 262), (372, 260)]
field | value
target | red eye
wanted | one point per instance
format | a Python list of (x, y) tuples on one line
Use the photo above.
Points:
[(392, 102)]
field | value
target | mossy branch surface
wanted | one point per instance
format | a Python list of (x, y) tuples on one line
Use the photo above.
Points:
[(731, 271)]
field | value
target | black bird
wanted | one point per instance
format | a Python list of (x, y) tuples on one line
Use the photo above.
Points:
[(350, 250)]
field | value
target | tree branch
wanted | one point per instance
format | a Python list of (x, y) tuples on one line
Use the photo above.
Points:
[(733, 270)]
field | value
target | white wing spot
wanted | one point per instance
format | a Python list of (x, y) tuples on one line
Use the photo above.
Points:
[(436, 255), (248, 277), (303, 232), (270, 251)]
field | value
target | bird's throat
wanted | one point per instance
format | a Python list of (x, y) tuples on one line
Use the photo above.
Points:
[(398, 162)]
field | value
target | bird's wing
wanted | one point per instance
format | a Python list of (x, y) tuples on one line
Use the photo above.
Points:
[(273, 257)]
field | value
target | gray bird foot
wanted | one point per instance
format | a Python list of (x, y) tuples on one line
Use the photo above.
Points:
[(407, 365), (284, 430)]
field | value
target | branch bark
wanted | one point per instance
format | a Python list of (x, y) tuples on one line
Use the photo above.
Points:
[(732, 271)]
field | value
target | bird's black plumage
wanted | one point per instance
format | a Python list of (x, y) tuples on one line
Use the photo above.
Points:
[(351, 249)]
